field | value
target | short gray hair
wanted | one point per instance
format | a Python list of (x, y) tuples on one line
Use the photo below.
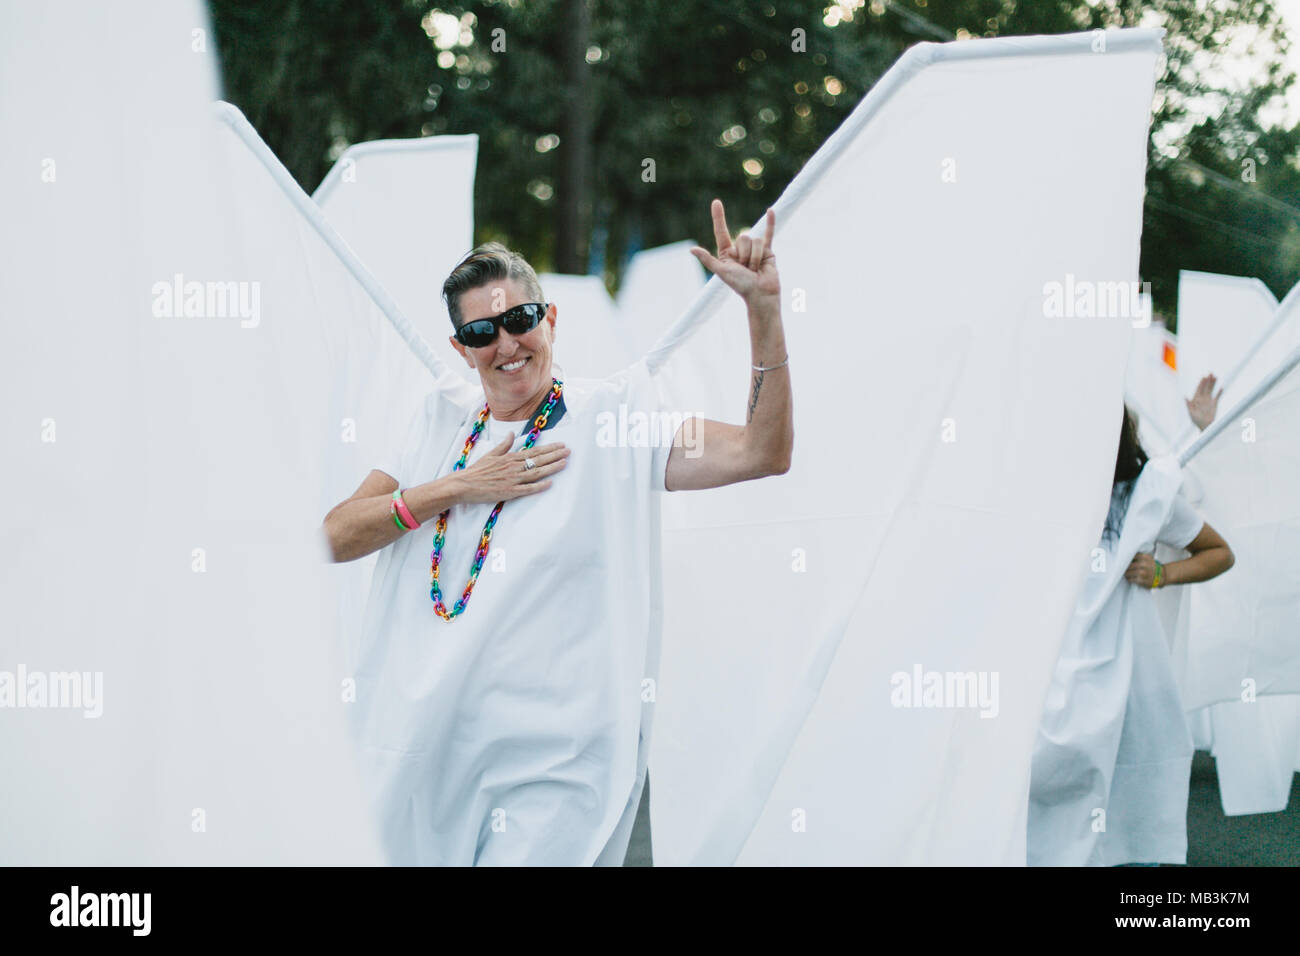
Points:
[(486, 263)]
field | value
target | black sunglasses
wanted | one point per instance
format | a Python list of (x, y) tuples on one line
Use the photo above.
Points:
[(483, 332)]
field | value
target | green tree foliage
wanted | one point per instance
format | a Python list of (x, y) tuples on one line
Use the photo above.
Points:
[(729, 98)]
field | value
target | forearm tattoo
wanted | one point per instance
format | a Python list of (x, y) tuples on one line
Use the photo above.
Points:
[(753, 399)]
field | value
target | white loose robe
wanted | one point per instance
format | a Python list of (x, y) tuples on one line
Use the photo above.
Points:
[(518, 733), (1109, 777)]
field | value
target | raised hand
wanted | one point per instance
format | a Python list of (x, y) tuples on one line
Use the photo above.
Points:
[(1204, 405), (748, 264)]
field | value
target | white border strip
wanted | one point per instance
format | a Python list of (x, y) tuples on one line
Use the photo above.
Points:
[(232, 117)]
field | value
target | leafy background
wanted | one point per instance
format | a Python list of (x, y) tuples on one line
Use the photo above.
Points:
[(585, 90)]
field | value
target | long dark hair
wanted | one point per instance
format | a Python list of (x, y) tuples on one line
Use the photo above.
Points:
[(1129, 462)]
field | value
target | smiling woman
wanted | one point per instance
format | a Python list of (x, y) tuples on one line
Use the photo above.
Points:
[(504, 719), (495, 302)]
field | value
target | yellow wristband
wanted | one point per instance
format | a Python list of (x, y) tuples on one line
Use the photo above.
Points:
[(1158, 579)]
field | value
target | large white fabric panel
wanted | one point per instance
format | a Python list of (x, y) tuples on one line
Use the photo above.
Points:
[(406, 207), (1266, 353), (1219, 316), (929, 462), (658, 286), (1237, 633), (167, 373), (591, 340)]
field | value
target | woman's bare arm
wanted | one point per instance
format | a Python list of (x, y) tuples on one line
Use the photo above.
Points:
[(1211, 556), (363, 523), (764, 445)]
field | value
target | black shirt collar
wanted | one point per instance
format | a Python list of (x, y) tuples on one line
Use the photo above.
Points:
[(556, 414)]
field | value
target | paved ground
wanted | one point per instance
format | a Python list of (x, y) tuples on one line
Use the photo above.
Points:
[(638, 848), (1263, 839)]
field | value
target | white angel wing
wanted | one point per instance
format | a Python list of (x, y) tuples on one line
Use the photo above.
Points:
[(591, 339), (658, 286), (1235, 327), (1279, 339), (1235, 637), (177, 315), (1219, 316), (1241, 352), (953, 440), (406, 207), (1241, 627), (932, 474)]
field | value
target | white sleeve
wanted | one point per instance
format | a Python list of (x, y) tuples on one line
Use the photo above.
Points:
[(1182, 525), (645, 395), (397, 444)]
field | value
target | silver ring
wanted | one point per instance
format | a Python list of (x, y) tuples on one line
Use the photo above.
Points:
[(529, 464)]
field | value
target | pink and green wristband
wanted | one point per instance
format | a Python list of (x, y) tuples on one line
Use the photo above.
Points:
[(402, 516)]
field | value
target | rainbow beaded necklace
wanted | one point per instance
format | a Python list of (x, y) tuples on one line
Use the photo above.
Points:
[(485, 540)]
